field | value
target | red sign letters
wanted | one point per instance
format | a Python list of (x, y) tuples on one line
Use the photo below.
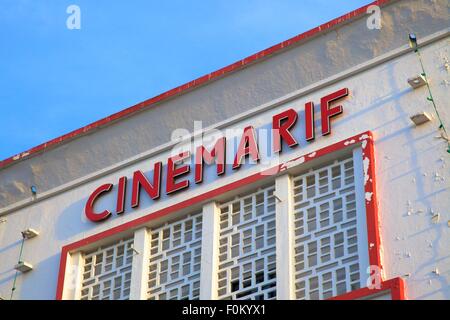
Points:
[(282, 125)]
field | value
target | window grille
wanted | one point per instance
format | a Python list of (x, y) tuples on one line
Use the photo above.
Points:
[(247, 263), (175, 254), (325, 218), (107, 272)]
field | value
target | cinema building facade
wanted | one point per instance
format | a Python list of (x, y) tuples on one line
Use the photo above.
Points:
[(315, 169)]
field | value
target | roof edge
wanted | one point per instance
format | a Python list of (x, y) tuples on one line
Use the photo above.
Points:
[(215, 75)]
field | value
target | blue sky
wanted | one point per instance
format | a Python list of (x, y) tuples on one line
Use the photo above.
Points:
[(54, 80)]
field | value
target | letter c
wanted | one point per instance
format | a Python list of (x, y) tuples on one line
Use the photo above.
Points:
[(89, 208)]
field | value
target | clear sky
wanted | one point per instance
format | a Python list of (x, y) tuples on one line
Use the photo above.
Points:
[(54, 80)]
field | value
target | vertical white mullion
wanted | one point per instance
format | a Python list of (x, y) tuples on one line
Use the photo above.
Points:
[(139, 269), (73, 276), (361, 220), (78, 260), (210, 247), (284, 238)]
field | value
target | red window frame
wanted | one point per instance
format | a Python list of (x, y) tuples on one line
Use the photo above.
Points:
[(367, 142), (395, 287)]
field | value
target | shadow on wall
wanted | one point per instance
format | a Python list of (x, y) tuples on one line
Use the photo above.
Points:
[(35, 284), (7, 276), (72, 222), (10, 246), (422, 197), (429, 277), (6, 280), (40, 283)]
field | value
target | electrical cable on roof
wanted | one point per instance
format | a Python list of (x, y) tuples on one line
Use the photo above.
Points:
[(442, 129)]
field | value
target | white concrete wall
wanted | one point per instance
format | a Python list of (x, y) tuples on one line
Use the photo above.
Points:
[(412, 168)]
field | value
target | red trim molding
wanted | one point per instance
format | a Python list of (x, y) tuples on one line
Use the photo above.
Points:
[(371, 201), (194, 83), (366, 141), (395, 286)]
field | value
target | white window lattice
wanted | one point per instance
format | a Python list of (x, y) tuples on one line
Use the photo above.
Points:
[(107, 272), (326, 244), (175, 254), (247, 266)]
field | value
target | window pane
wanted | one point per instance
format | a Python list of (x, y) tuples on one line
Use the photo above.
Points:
[(107, 272), (326, 248), (175, 254), (247, 268)]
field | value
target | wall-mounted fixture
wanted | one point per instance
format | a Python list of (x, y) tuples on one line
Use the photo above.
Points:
[(29, 233), (23, 266), (417, 81), (443, 131), (413, 41), (420, 118)]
